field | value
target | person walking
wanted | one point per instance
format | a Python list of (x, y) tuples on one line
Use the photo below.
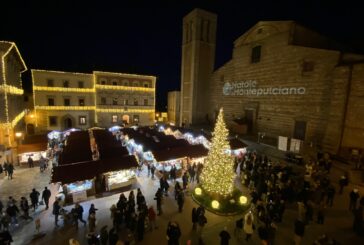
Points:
[(152, 170), (224, 236), (185, 180), (92, 222), (46, 194), (104, 235), (343, 182), (30, 162), (34, 198), (248, 225), (79, 214), (194, 218), (354, 196), (321, 214), (202, 220), (180, 201), (92, 209), (56, 210), (158, 197), (330, 195), (10, 169), (152, 218), (12, 211), (140, 226)]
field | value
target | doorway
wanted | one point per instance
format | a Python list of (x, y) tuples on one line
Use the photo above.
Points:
[(30, 129), (67, 122), (300, 130), (250, 120)]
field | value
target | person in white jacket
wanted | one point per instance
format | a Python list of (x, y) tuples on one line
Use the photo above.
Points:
[(248, 225)]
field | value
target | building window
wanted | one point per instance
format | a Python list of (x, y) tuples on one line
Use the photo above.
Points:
[(81, 102), (80, 84), (103, 101), (82, 120), (145, 101), (114, 83), (50, 101), (66, 84), (67, 102), (146, 85), (135, 118), (52, 121), (114, 118), (103, 82), (126, 102), (135, 102), (50, 83), (135, 83), (125, 83), (256, 54), (308, 66), (115, 101)]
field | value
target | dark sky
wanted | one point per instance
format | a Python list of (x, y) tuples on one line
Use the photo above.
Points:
[(146, 38)]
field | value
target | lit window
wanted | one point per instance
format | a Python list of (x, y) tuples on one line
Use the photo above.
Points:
[(52, 121), (50, 101), (135, 102), (67, 102), (114, 118), (256, 54), (81, 102), (82, 120), (66, 84), (50, 83), (80, 84), (115, 101), (136, 118)]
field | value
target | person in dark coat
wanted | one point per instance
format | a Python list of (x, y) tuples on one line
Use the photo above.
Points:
[(10, 170), (158, 197), (92, 209), (173, 233), (299, 230), (30, 162), (224, 237), (354, 196), (180, 201), (46, 194), (12, 211), (5, 237), (330, 195), (79, 212), (113, 236), (185, 180), (194, 218), (56, 210), (140, 227), (343, 182), (34, 198), (25, 208), (104, 235)]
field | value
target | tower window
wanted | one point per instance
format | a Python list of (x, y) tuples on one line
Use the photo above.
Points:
[(256, 51), (81, 102), (67, 102), (82, 120)]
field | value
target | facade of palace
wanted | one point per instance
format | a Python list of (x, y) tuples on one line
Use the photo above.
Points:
[(174, 107), (65, 100), (11, 98), (283, 79)]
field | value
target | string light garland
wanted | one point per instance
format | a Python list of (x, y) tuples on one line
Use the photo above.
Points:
[(128, 88), (65, 108), (218, 175), (63, 89), (11, 89)]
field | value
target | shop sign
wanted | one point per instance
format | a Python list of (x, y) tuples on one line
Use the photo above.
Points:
[(251, 88)]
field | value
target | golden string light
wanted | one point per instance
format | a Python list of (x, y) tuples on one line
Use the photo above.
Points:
[(11, 89)]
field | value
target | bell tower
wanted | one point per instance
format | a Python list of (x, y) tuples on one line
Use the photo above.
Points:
[(198, 59)]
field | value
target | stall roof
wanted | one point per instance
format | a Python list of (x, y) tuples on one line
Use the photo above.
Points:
[(192, 151), (78, 148), (236, 144)]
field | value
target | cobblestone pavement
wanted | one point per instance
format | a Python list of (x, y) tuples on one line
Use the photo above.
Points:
[(338, 220)]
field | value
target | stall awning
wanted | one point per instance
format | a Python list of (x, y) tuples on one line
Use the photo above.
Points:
[(192, 151)]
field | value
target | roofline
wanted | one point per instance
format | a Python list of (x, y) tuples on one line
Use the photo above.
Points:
[(13, 45), (124, 74), (61, 72)]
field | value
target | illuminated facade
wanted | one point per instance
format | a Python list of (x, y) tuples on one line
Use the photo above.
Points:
[(65, 99), (11, 94), (174, 106), (283, 80)]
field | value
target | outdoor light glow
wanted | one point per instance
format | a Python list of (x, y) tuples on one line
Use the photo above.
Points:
[(215, 204), (218, 176), (243, 200), (62, 89), (18, 134), (198, 191), (11, 89)]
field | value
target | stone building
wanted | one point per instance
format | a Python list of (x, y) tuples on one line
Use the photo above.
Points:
[(174, 107), (65, 100), (11, 99), (285, 80)]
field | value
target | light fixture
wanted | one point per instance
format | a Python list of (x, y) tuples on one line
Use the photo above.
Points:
[(198, 191), (243, 200), (215, 204), (18, 134)]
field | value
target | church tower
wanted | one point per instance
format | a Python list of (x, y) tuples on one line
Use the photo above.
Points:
[(198, 59)]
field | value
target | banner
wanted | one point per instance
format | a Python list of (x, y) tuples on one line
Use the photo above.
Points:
[(295, 145), (282, 143)]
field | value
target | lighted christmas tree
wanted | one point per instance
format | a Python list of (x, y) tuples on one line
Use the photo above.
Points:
[(218, 175)]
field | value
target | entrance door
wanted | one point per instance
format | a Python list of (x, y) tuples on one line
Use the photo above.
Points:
[(300, 130), (249, 116), (67, 123), (30, 129)]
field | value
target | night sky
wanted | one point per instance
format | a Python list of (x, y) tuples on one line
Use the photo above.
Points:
[(146, 38)]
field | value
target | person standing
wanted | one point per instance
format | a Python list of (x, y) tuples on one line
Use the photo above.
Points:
[(224, 237), (152, 170), (10, 170), (185, 180), (56, 210), (299, 230), (343, 182), (140, 226), (24, 206), (104, 235), (30, 162), (45, 196), (152, 218), (194, 218), (201, 224), (12, 211), (321, 214), (92, 222), (158, 197), (354, 196), (173, 233), (248, 225), (34, 198), (92, 209), (180, 201), (330, 195)]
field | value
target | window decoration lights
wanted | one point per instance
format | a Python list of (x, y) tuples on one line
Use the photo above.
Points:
[(63, 89), (218, 174), (11, 89), (128, 88), (65, 108)]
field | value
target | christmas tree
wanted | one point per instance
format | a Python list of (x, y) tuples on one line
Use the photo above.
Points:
[(218, 174)]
